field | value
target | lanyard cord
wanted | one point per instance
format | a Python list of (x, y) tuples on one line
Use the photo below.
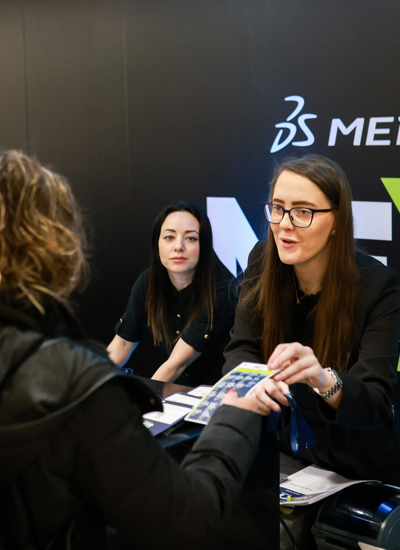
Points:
[(301, 436)]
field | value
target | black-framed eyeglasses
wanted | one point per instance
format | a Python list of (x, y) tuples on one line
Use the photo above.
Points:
[(298, 215)]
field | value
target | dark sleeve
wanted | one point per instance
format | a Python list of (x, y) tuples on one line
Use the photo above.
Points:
[(369, 386), (199, 334), (133, 323), (142, 491), (245, 343)]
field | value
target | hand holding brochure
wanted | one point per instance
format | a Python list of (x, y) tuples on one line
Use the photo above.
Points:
[(242, 379)]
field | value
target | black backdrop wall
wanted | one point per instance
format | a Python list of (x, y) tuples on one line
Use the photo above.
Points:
[(141, 102)]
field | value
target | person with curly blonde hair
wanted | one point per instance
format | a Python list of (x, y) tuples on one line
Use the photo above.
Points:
[(74, 453), (42, 240)]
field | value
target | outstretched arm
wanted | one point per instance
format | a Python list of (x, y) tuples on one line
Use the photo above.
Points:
[(119, 350), (181, 357), (149, 497)]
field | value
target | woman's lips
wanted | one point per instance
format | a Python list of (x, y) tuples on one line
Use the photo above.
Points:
[(178, 259), (288, 243)]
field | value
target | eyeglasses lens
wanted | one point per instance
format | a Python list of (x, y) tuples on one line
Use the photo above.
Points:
[(300, 217)]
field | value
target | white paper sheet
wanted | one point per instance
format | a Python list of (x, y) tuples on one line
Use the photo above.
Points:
[(311, 485)]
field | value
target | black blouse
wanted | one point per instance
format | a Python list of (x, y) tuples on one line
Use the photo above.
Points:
[(209, 341)]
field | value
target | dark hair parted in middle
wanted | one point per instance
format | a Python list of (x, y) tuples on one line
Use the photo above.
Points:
[(204, 279), (272, 294)]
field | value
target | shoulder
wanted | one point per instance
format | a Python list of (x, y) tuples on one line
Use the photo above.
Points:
[(249, 298), (256, 260), (225, 280), (377, 282), (257, 251), (143, 279), (141, 285), (70, 371), (227, 292), (69, 367), (372, 271)]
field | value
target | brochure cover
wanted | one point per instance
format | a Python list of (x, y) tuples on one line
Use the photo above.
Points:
[(242, 379)]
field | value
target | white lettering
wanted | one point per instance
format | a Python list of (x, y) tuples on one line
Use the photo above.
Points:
[(337, 124), (372, 220), (276, 146), (382, 259), (373, 130), (300, 105), (233, 236), (310, 136), (398, 135)]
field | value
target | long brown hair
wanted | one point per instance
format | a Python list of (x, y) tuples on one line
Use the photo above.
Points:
[(271, 294), (42, 239), (204, 279)]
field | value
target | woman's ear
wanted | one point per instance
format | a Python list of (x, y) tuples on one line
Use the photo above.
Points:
[(334, 223)]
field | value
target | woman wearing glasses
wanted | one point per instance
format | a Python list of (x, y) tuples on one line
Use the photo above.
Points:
[(181, 309), (329, 317)]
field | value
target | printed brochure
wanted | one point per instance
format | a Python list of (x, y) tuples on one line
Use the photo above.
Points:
[(242, 379)]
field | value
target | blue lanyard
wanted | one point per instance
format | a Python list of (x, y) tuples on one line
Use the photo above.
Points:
[(301, 436)]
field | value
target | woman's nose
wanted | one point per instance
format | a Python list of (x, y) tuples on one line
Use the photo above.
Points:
[(179, 244), (286, 222)]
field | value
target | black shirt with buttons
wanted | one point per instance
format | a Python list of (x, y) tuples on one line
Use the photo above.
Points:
[(210, 342)]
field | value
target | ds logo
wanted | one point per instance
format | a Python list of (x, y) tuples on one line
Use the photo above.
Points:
[(278, 145), (337, 125)]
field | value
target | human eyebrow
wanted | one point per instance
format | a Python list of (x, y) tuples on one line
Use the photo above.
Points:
[(294, 203), (187, 231), (301, 203)]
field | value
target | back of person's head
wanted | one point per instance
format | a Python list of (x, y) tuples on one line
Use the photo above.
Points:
[(207, 255), (42, 240)]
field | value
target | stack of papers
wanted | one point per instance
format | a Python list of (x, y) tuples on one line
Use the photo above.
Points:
[(311, 485), (175, 408)]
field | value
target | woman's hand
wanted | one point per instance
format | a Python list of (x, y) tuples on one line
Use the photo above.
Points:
[(270, 394), (249, 402), (299, 364)]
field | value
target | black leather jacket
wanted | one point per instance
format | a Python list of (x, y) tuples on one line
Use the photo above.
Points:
[(73, 450)]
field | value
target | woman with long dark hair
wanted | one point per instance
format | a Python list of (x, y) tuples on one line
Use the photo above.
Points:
[(329, 317), (182, 308)]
